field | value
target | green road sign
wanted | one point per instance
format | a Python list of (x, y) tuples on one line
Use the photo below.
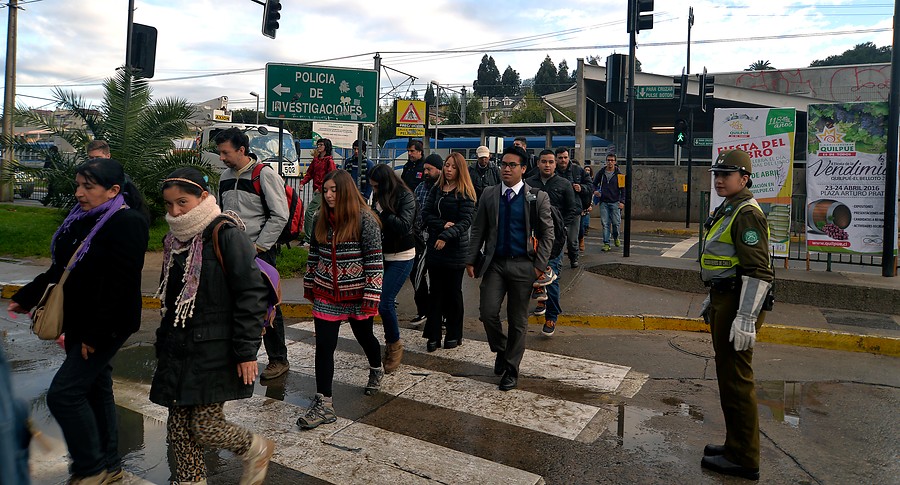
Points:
[(702, 142), (313, 93), (655, 92)]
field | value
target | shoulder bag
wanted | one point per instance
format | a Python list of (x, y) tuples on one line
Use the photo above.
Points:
[(47, 317)]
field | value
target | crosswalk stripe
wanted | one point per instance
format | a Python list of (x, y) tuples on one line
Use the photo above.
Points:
[(525, 409), (48, 460), (586, 374), (346, 451), (680, 249)]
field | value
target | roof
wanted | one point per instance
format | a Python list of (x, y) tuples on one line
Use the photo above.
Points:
[(508, 129)]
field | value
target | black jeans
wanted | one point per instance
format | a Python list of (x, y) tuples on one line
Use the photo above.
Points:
[(420, 293), (273, 340), (446, 302), (81, 399), (326, 344)]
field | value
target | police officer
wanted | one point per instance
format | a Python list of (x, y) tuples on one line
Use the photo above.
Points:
[(735, 266)]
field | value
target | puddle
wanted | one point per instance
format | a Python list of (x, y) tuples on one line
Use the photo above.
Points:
[(633, 432), (781, 401), (683, 409)]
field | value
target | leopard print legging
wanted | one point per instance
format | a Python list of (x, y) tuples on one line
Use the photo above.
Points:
[(192, 427)]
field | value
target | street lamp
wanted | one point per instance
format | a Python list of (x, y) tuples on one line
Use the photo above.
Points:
[(256, 95)]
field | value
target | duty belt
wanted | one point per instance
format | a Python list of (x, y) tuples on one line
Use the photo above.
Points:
[(724, 284)]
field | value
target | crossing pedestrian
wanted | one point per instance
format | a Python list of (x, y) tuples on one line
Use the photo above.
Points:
[(210, 331), (586, 213), (447, 216), (102, 244), (395, 206), (736, 267), (431, 170), (583, 187), (483, 171), (343, 280), (610, 193), (352, 165), (321, 165)]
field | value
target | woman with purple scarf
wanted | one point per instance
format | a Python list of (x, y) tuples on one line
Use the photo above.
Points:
[(107, 231), (213, 306)]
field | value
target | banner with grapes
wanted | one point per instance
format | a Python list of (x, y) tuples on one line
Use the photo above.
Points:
[(845, 177), (767, 135)]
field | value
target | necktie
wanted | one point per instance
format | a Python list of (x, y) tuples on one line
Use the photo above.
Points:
[(509, 194)]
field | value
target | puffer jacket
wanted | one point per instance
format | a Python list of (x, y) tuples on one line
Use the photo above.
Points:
[(397, 227), (442, 207), (264, 221), (318, 169), (197, 363)]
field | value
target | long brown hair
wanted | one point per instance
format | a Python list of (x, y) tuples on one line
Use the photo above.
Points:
[(348, 206), (389, 187), (463, 181)]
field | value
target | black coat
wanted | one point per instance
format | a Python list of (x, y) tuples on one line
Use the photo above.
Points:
[(562, 196), (576, 175), (102, 302), (197, 363), (483, 177), (442, 207), (412, 173), (397, 227)]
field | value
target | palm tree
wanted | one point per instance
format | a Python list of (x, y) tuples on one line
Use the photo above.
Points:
[(138, 128), (760, 65)]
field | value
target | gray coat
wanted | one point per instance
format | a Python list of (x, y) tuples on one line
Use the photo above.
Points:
[(264, 222)]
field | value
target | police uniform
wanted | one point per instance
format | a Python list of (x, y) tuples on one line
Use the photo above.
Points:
[(735, 265)]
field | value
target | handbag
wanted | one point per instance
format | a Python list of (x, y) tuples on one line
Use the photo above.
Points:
[(47, 317)]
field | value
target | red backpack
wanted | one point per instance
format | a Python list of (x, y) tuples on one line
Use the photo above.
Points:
[(294, 226)]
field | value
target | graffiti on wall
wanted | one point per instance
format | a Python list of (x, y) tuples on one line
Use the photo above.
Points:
[(849, 83)]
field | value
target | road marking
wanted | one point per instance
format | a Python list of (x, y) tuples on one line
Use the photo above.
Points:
[(680, 249), (48, 460), (345, 451), (525, 409), (587, 374)]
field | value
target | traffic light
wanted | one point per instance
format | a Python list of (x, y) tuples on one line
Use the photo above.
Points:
[(681, 85), (271, 14), (639, 15), (707, 86), (615, 78), (143, 49), (681, 133)]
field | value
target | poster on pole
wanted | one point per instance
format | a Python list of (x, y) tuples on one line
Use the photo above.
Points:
[(767, 135), (845, 177), (341, 135)]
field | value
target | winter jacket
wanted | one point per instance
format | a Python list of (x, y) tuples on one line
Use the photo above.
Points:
[(576, 175), (609, 189), (318, 169), (197, 363), (442, 207), (483, 177), (412, 173), (397, 227), (352, 167), (102, 301), (264, 221), (562, 196)]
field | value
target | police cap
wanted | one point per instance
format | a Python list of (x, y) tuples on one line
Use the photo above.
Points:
[(733, 161)]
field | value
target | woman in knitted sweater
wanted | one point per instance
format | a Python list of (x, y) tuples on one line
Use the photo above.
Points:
[(343, 280)]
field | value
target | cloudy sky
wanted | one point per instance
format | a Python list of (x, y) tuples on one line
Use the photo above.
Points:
[(75, 44)]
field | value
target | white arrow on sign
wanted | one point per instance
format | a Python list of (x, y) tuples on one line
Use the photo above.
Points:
[(279, 90)]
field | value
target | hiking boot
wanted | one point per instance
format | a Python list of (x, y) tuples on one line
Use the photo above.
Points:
[(114, 475), (256, 460), (375, 375), (539, 294), (539, 310), (393, 353), (581, 244), (98, 479), (549, 328), (606, 248), (275, 369), (616, 241), (548, 277), (320, 412)]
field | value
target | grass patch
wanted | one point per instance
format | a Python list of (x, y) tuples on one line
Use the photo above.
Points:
[(292, 262), (158, 230), (25, 231)]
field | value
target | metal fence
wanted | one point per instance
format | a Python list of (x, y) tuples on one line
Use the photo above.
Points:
[(27, 186)]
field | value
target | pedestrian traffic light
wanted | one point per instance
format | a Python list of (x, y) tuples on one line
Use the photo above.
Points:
[(143, 49), (271, 15), (639, 15), (707, 87), (615, 78), (681, 133), (681, 85)]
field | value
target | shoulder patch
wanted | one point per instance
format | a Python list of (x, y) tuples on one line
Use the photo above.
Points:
[(750, 237)]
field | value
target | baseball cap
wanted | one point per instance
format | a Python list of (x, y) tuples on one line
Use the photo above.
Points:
[(482, 151), (733, 161)]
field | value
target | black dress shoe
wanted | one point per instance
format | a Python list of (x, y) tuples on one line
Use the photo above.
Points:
[(575, 264), (713, 450), (432, 345), (721, 465), (508, 381), (499, 364), (452, 344)]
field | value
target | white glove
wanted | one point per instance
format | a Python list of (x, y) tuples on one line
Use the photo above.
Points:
[(704, 310), (743, 328)]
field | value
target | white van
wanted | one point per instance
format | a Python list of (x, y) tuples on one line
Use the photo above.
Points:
[(263, 143)]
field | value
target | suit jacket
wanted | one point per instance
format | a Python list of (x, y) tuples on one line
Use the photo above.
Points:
[(484, 228)]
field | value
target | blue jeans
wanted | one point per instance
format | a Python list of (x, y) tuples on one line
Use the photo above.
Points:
[(395, 274), (81, 400), (14, 435), (585, 224), (553, 308), (610, 216)]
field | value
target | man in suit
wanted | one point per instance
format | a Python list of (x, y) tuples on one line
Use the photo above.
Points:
[(516, 253)]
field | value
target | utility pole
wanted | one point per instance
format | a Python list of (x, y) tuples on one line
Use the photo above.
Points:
[(462, 106), (377, 118), (888, 259), (9, 98), (690, 140), (128, 73)]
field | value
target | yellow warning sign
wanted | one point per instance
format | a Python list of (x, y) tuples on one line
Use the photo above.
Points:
[(410, 118)]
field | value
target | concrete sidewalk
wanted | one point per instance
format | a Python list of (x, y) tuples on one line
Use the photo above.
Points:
[(841, 311)]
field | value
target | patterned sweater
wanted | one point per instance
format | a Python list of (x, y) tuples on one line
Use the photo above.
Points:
[(344, 279)]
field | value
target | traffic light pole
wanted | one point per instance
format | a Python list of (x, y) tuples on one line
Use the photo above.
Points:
[(629, 145), (690, 144)]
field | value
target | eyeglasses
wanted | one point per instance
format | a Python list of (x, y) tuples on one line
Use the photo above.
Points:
[(509, 165)]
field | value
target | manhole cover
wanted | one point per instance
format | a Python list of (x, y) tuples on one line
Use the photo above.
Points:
[(699, 345)]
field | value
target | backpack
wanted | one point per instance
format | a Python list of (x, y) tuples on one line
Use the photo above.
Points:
[(559, 225), (294, 226), (269, 273)]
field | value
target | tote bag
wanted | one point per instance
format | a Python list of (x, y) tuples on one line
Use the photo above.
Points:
[(47, 317)]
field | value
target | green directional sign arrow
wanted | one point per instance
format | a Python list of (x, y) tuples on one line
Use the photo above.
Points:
[(314, 93)]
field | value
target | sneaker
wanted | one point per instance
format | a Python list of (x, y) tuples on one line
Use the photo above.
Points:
[(549, 328), (548, 277), (539, 294), (418, 319), (275, 369), (617, 242), (320, 412), (606, 248), (375, 375), (256, 460), (540, 310), (114, 475)]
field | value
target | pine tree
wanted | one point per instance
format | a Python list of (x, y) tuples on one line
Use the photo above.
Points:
[(546, 79), (562, 76), (511, 82), (488, 82)]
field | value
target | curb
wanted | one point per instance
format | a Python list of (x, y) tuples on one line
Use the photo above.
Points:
[(769, 333), (675, 232)]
